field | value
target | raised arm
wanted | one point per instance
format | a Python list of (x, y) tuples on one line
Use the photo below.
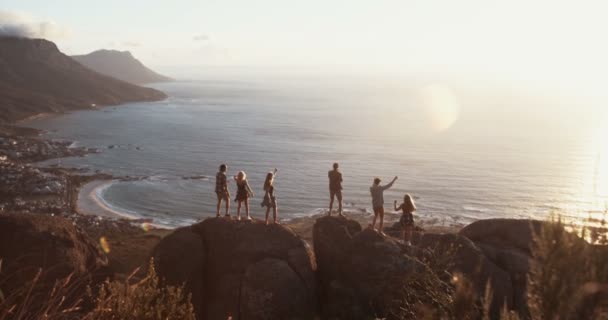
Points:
[(274, 173), (397, 208), (390, 184)]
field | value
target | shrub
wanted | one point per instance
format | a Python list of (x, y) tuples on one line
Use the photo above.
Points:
[(145, 300)]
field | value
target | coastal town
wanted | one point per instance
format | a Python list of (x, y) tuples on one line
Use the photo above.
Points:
[(30, 187)]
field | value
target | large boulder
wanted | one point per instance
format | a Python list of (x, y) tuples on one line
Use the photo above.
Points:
[(272, 290), (464, 257), (365, 275), (247, 270), (179, 260), (508, 243), (52, 246), (504, 233), (331, 240)]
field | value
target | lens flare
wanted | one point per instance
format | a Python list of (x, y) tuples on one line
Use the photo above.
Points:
[(145, 227), (441, 105), (105, 246)]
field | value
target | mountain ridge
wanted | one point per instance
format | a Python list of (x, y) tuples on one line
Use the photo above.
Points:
[(36, 78), (121, 65)]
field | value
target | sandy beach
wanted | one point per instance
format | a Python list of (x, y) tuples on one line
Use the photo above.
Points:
[(89, 202)]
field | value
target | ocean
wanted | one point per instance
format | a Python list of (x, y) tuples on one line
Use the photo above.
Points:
[(465, 151)]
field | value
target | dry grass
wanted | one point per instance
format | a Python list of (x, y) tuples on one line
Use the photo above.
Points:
[(56, 305), (144, 300), (565, 271)]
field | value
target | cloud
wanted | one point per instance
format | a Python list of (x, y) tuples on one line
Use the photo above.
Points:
[(131, 43), (14, 24), (201, 37)]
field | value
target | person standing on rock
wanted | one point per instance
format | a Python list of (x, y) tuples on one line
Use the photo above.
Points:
[(270, 200), (243, 193), (377, 192), (407, 218), (335, 188), (221, 190)]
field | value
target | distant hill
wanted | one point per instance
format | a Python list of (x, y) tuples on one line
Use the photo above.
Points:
[(35, 77), (120, 65)]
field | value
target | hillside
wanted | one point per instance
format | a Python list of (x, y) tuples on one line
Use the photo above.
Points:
[(120, 65), (35, 77)]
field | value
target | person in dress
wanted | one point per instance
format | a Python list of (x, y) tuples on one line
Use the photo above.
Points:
[(270, 199), (243, 193), (377, 192), (335, 188), (408, 207), (221, 190)]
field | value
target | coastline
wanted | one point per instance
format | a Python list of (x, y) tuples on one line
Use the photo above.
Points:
[(88, 202), (37, 116)]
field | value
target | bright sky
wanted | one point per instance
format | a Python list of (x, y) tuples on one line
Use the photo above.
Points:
[(524, 39)]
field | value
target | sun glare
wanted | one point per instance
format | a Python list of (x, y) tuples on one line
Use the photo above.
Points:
[(600, 174), (441, 105)]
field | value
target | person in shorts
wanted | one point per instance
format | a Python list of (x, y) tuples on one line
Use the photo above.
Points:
[(377, 192), (335, 188), (221, 190), (407, 218)]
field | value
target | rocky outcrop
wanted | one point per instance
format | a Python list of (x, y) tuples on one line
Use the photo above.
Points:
[(504, 233), (509, 243), (252, 271), (244, 269), (52, 245), (365, 275)]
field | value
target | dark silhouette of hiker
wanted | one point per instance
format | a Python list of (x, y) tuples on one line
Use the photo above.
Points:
[(377, 192), (335, 188), (408, 207), (270, 199), (243, 193), (221, 190)]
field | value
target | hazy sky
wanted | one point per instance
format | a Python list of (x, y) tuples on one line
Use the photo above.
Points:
[(528, 39)]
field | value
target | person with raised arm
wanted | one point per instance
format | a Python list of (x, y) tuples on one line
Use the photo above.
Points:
[(335, 188), (377, 192), (270, 200), (407, 218), (243, 193), (221, 190)]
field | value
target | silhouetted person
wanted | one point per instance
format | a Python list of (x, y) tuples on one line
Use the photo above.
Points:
[(335, 188), (377, 192), (243, 192), (407, 218), (270, 200), (221, 190)]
